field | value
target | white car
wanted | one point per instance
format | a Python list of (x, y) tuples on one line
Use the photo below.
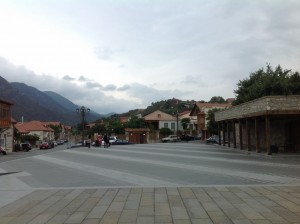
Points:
[(170, 138), (111, 139)]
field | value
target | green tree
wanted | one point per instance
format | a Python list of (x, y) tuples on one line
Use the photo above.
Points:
[(57, 130), (212, 125), (185, 122), (97, 128), (267, 82), (29, 138), (165, 131), (136, 122), (217, 99)]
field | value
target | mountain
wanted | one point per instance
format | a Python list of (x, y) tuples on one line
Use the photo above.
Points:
[(70, 106), (32, 104), (62, 101)]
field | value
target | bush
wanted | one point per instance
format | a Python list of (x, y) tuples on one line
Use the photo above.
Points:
[(165, 131)]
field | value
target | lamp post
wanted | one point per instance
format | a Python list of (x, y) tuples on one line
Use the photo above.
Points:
[(82, 111), (177, 124)]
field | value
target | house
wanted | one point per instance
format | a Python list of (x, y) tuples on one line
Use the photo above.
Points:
[(6, 126), (67, 132), (200, 110), (36, 128), (159, 119), (124, 119), (192, 124), (268, 124)]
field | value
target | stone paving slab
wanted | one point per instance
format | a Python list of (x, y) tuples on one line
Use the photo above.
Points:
[(231, 204)]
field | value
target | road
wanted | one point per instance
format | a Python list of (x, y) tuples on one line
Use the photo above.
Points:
[(151, 183), (147, 165)]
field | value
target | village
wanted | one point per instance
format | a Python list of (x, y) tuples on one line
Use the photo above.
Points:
[(267, 125)]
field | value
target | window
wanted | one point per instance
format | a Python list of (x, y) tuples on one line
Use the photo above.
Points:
[(173, 126), (166, 125)]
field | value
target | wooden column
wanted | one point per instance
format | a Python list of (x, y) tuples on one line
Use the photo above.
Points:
[(268, 135), (228, 133), (248, 134), (234, 134), (241, 134), (219, 132), (257, 139)]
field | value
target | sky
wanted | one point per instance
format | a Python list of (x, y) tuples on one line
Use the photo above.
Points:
[(119, 55)]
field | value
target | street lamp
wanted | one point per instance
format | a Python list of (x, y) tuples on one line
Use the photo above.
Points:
[(177, 124), (82, 111)]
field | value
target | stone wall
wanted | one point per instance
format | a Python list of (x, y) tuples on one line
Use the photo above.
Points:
[(261, 105)]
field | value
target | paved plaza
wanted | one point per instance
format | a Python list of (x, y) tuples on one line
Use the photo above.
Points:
[(159, 183)]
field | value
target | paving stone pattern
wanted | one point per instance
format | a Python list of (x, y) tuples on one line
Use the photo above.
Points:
[(182, 205)]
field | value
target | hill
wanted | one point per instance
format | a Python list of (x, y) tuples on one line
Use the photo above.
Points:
[(32, 104)]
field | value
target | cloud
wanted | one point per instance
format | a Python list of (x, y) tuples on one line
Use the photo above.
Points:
[(123, 88), (92, 94), (93, 85), (109, 87), (68, 78), (147, 51), (83, 79)]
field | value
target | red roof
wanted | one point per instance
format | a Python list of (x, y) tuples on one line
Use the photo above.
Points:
[(32, 126), (185, 112), (54, 123)]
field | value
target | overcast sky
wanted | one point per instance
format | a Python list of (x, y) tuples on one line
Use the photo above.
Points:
[(114, 56)]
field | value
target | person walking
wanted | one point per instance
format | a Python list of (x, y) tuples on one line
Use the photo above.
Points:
[(106, 141)]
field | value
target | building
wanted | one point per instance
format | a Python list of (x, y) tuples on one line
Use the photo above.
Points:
[(192, 125), (6, 126), (200, 110), (36, 128), (137, 135), (268, 124), (159, 119)]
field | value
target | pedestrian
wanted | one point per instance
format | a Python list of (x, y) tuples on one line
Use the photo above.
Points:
[(100, 139), (106, 141)]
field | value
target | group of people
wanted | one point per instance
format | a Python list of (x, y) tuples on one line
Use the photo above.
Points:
[(104, 139)]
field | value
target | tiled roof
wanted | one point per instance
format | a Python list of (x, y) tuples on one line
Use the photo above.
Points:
[(185, 112), (212, 105), (67, 127), (54, 123), (32, 126), (159, 116), (199, 108)]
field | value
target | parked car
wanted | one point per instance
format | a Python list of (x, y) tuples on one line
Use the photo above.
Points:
[(187, 138), (2, 150), (52, 144), (25, 146), (112, 139), (214, 139), (121, 142), (170, 138), (60, 142), (45, 145)]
